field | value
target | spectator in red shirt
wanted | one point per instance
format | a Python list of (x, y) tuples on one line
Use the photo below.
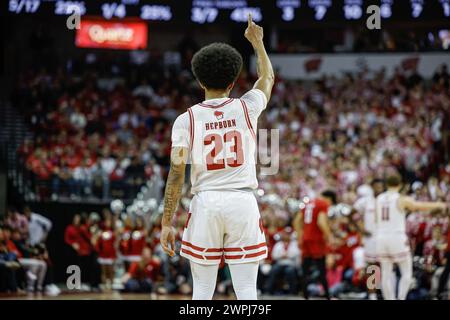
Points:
[(349, 242), (35, 268), (10, 268), (142, 275), (78, 237)]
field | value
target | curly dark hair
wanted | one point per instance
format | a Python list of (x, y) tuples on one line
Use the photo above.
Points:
[(217, 65)]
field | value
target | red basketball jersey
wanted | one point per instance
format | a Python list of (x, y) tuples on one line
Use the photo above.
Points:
[(311, 231)]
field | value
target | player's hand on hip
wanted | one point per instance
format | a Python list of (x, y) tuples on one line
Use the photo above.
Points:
[(253, 33), (168, 240)]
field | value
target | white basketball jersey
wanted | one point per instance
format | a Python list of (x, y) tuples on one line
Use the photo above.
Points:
[(390, 218), (366, 206), (221, 137)]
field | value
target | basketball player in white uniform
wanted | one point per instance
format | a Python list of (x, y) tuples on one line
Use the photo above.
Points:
[(392, 244), (365, 205), (218, 138)]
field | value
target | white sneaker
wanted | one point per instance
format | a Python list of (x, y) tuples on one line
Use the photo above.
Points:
[(52, 290), (85, 287), (55, 288)]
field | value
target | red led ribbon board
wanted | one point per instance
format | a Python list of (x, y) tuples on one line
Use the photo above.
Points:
[(111, 35)]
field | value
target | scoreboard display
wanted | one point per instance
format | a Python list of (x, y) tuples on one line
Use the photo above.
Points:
[(146, 10), (209, 11), (234, 11)]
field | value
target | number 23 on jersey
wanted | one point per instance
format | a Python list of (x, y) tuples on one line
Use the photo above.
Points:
[(218, 158)]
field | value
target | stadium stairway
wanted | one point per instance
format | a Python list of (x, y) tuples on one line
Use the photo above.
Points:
[(13, 132)]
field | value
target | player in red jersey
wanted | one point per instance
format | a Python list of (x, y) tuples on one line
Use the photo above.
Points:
[(314, 234)]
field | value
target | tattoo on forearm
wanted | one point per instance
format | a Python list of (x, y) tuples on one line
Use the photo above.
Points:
[(174, 187), (258, 63)]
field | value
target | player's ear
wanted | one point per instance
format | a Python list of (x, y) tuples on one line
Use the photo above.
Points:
[(230, 86)]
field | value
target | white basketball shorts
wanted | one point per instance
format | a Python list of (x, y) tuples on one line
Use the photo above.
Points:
[(370, 254), (224, 224), (392, 246)]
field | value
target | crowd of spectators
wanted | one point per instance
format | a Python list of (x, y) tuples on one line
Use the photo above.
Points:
[(122, 252), (102, 136), (25, 265), (362, 40)]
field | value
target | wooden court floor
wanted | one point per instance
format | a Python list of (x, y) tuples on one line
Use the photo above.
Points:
[(115, 295)]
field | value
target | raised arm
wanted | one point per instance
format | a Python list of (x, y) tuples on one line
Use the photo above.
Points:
[(413, 205), (254, 35), (172, 195)]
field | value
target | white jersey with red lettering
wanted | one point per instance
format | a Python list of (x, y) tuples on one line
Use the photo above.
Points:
[(392, 243), (224, 219), (366, 207), (221, 136), (390, 217)]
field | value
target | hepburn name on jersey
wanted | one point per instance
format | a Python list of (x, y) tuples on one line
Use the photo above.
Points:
[(220, 124)]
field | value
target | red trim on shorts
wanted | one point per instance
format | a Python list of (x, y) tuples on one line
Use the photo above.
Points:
[(234, 257), (188, 244), (252, 247), (215, 107), (213, 257), (192, 254), (247, 118), (191, 128), (188, 252), (247, 256), (256, 254), (256, 246), (232, 249)]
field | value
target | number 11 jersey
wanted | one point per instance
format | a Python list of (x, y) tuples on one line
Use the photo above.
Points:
[(390, 218), (221, 137)]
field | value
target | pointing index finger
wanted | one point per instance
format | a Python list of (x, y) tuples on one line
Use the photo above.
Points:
[(249, 19)]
